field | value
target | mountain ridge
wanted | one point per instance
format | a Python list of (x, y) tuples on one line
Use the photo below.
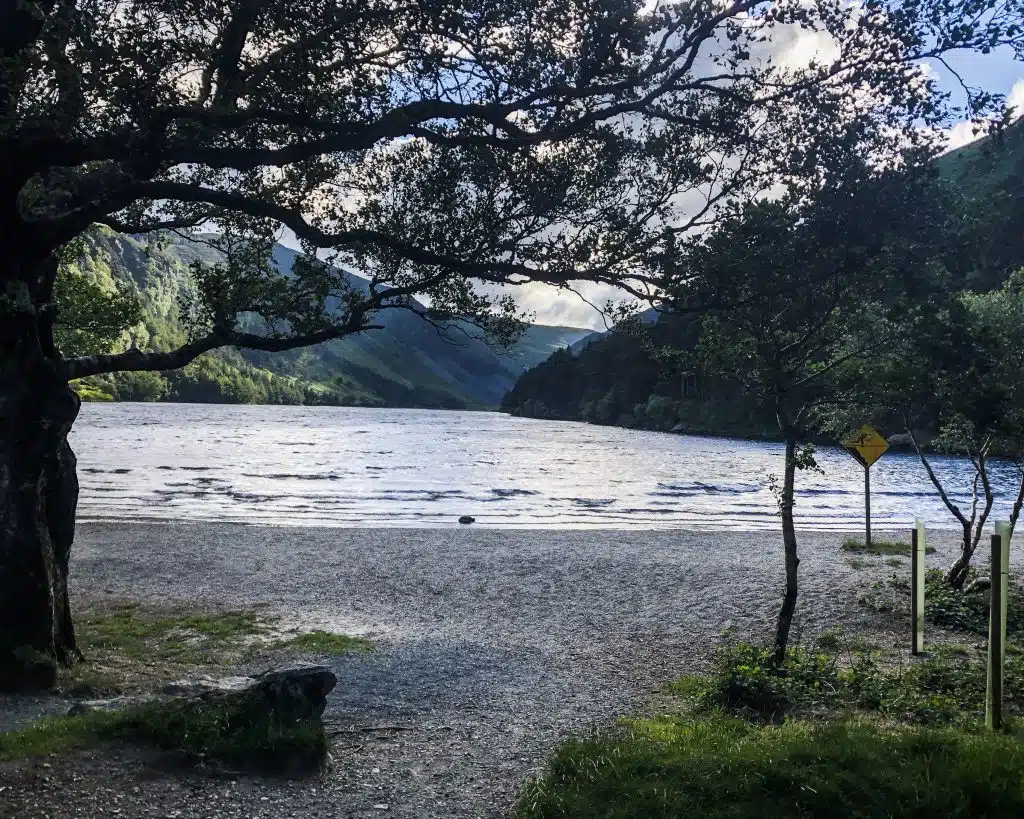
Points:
[(613, 378), (404, 364)]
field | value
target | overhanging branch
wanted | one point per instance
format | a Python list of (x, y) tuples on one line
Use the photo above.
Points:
[(139, 361)]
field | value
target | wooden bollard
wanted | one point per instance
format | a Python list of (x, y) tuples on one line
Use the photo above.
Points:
[(1000, 569), (917, 569)]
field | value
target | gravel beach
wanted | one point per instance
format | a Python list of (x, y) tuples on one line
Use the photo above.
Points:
[(493, 645)]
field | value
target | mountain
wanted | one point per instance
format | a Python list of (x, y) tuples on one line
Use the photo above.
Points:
[(408, 363), (648, 316), (612, 377)]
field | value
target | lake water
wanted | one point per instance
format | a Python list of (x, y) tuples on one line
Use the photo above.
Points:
[(398, 467)]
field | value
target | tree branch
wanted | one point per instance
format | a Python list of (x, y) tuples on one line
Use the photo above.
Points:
[(137, 360)]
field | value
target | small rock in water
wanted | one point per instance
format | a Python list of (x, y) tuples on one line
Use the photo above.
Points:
[(467, 519)]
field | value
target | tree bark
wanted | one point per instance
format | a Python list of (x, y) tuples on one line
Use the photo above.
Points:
[(38, 490), (788, 608), (956, 574)]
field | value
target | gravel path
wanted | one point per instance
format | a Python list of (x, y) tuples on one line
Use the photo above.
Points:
[(492, 647)]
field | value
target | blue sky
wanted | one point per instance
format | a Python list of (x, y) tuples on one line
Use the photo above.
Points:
[(998, 72)]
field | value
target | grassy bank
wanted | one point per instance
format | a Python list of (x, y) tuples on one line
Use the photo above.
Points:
[(722, 767), (208, 732), (844, 729), (131, 649)]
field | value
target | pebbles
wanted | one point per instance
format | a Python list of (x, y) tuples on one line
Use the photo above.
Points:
[(493, 646)]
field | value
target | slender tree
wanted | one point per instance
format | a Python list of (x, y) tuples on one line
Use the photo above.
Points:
[(797, 292), (427, 143)]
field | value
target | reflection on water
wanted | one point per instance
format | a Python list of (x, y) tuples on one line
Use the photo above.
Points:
[(372, 467)]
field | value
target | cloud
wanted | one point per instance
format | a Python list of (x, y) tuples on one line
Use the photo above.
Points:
[(1015, 99), (551, 305), (963, 133)]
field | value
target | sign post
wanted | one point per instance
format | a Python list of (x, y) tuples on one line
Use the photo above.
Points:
[(867, 445)]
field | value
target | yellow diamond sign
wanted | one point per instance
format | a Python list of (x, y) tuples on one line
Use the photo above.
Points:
[(867, 445)]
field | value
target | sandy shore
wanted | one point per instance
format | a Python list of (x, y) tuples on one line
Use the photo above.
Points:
[(492, 645)]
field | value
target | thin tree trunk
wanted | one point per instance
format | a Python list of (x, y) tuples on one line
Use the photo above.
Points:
[(38, 497), (1018, 504), (785, 621), (956, 575)]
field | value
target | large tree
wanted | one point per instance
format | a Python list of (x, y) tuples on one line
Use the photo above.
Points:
[(427, 143)]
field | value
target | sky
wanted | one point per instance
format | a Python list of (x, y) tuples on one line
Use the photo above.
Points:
[(998, 72)]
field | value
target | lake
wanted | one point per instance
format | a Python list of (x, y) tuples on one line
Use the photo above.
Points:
[(342, 466)]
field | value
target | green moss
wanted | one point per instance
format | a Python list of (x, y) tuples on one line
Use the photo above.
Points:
[(881, 547), (325, 642)]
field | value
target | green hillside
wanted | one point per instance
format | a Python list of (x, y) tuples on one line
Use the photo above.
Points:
[(408, 363), (613, 378)]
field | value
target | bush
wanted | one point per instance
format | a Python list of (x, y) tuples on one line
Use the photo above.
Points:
[(952, 608), (946, 689)]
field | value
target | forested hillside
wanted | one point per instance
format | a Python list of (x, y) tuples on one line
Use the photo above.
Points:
[(624, 378), (408, 363)]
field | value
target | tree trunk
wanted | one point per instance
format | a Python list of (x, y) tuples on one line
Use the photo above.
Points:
[(38, 495), (785, 620), (956, 574)]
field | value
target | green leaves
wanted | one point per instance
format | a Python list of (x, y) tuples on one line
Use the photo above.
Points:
[(91, 319)]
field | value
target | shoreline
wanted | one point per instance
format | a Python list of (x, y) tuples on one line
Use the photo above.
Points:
[(886, 532)]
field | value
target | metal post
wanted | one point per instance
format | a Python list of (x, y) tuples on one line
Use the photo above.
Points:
[(996, 635), (867, 508), (917, 569)]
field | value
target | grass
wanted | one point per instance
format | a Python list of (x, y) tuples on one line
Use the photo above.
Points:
[(208, 732), (326, 642), (947, 688), (188, 638), (129, 646), (841, 730), (720, 767), (946, 606), (881, 547), (858, 563), (833, 733)]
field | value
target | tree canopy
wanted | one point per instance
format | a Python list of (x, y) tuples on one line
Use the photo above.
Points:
[(433, 144)]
